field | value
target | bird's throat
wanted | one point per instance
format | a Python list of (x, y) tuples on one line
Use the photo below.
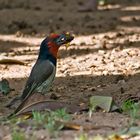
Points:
[(53, 49)]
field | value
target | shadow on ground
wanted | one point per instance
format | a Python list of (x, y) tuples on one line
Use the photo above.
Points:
[(78, 89), (9, 46), (56, 16)]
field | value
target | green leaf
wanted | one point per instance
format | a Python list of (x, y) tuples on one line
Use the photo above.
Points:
[(4, 87)]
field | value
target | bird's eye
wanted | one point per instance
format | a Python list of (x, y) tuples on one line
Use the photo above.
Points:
[(62, 39)]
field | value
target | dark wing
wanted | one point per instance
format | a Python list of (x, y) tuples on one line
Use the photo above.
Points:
[(40, 73)]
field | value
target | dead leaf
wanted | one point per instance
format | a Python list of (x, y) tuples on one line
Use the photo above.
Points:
[(104, 102), (11, 61), (70, 125), (76, 126)]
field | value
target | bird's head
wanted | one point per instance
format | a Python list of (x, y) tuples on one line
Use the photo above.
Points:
[(52, 43), (60, 39)]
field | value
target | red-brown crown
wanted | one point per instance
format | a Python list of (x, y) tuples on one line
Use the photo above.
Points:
[(56, 40)]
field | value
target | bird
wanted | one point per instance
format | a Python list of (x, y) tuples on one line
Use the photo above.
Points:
[(44, 70)]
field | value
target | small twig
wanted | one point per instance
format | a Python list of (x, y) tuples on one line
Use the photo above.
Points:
[(11, 61), (75, 126)]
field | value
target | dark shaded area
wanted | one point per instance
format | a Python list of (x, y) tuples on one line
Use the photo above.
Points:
[(35, 17), (9, 46), (78, 89)]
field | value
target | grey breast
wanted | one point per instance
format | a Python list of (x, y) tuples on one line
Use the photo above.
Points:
[(45, 86)]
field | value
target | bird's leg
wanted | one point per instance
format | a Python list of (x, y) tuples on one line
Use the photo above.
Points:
[(13, 101)]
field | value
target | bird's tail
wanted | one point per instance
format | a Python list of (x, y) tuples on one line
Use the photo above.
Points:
[(24, 101)]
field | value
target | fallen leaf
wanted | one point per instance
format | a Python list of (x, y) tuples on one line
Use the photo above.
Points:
[(104, 102), (11, 61), (4, 87), (70, 125), (76, 126)]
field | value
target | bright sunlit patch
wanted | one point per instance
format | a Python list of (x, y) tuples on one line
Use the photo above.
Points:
[(130, 8)]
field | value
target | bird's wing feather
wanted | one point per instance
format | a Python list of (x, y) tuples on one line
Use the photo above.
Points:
[(40, 73)]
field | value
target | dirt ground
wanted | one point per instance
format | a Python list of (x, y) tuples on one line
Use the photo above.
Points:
[(103, 59)]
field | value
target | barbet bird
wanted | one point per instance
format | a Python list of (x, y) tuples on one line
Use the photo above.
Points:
[(43, 72)]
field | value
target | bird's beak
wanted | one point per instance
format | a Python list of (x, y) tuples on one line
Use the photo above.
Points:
[(69, 38)]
